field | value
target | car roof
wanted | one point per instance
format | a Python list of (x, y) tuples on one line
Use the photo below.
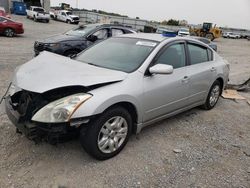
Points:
[(146, 36), (108, 25), (36, 7), (159, 37)]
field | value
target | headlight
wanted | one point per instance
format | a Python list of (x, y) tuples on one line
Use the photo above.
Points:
[(52, 45), (61, 110)]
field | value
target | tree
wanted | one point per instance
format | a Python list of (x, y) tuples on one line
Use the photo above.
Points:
[(173, 22), (164, 22)]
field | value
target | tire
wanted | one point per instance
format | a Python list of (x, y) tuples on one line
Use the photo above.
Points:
[(70, 53), (210, 36), (99, 140), (9, 32), (47, 21), (68, 21), (35, 19), (213, 96)]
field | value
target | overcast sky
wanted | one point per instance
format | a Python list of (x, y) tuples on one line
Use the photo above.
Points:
[(231, 13)]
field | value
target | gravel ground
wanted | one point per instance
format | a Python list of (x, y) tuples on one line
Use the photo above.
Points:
[(194, 149)]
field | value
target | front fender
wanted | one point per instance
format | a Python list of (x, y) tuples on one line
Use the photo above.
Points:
[(97, 105)]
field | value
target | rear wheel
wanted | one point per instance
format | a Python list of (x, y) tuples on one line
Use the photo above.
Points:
[(107, 135), (213, 96), (9, 32)]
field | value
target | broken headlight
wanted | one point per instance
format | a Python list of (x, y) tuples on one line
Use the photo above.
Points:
[(61, 110)]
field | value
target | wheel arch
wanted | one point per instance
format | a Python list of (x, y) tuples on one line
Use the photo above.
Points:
[(131, 110), (220, 79)]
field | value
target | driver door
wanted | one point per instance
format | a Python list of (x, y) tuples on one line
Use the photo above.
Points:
[(167, 93)]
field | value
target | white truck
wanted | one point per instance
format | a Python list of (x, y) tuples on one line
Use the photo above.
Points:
[(38, 13), (66, 16), (231, 35)]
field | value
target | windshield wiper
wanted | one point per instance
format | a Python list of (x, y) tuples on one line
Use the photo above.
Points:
[(94, 64)]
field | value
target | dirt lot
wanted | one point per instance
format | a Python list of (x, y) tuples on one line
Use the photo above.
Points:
[(214, 145)]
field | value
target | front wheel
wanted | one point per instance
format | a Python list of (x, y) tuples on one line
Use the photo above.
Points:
[(210, 36), (68, 22), (9, 32), (213, 96), (107, 135)]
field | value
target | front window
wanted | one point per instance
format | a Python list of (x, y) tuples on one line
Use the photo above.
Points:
[(123, 54), (69, 13), (101, 34), (173, 55), (81, 31)]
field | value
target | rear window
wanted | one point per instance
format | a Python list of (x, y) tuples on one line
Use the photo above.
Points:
[(198, 54), (38, 10)]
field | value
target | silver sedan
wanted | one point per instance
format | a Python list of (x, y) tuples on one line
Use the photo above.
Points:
[(113, 89)]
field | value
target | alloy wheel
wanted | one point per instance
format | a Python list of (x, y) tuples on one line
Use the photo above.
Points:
[(214, 96), (9, 32), (112, 134)]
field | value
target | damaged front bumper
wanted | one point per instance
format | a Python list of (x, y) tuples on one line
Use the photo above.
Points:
[(50, 132)]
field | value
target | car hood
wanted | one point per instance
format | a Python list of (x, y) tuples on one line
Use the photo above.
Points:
[(50, 71), (60, 38), (74, 16)]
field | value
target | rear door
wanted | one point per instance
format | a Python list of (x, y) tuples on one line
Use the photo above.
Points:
[(166, 93), (201, 71)]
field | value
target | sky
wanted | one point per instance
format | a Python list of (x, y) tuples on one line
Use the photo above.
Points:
[(224, 13)]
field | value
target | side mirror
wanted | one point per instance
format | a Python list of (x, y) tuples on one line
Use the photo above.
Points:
[(161, 69), (92, 38)]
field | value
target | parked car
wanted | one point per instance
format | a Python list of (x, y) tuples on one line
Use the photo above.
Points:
[(184, 32), (66, 16), (231, 35), (78, 39), (10, 28), (38, 14), (3, 13), (114, 88), (166, 32), (207, 41)]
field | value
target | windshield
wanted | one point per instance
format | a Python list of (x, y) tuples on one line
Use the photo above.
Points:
[(184, 30), (123, 54), (80, 31)]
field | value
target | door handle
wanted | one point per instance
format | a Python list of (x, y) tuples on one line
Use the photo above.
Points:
[(213, 69), (185, 79)]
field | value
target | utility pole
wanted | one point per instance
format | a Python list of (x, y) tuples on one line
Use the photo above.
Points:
[(77, 4)]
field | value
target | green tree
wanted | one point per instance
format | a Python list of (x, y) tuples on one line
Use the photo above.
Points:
[(173, 22)]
